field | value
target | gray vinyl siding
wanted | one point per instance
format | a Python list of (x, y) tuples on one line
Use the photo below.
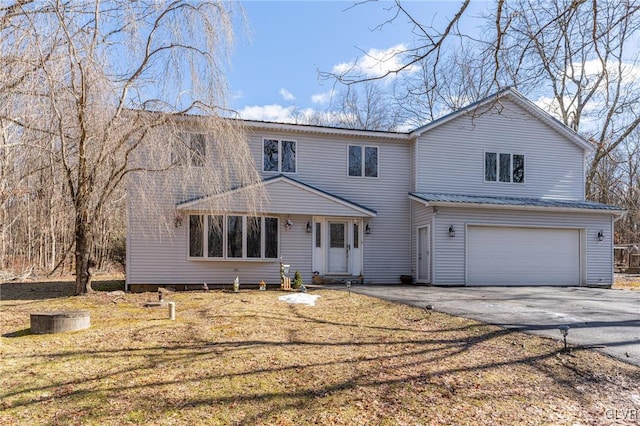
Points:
[(163, 259), (322, 163), (449, 253), (451, 156), (284, 197), (420, 216), (413, 164), (160, 256), (158, 251)]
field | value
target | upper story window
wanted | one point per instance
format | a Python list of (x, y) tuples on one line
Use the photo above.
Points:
[(233, 237), (279, 156), (363, 160), (502, 167), (190, 150)]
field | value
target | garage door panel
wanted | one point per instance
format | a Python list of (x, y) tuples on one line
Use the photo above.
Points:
[(522, 256)]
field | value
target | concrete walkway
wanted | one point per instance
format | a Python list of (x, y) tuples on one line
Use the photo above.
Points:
[(604, 319)]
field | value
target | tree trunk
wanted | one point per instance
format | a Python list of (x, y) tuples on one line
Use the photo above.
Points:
[(83, 252)]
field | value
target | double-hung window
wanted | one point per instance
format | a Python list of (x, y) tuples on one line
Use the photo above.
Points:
[(363, 160), (279, 156), (190, 149), (503, 167), (233, 237)]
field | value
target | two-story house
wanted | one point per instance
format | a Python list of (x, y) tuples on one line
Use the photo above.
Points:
[(492, 194)]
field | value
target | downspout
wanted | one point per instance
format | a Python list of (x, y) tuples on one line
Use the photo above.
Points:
[(414, 187), (433, 246)]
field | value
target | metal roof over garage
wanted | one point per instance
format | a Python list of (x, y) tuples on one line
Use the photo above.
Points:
[(461, 200)]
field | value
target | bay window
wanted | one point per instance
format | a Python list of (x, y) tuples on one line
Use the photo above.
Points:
[(233, 237)]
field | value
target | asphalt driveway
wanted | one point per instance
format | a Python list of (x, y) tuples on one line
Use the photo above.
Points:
[(605, 319)]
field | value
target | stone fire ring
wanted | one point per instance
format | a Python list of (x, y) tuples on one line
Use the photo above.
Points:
[(59, 322)]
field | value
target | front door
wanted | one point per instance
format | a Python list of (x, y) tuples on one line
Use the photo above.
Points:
[(338, 247), (424, 259)]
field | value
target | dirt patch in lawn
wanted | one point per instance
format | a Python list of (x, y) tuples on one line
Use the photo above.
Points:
[(249, 358)]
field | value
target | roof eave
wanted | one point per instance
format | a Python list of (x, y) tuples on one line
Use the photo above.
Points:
[(521, 100), (193, 205), (329, 131), (462, 204), (365, 211)]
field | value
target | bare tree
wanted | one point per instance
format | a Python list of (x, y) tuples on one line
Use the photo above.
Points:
[(464, 76), (583, 55), (432, 40), (364, 107), (578, 59), (103, 85)]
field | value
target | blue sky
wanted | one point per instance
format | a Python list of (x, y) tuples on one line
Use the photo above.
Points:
[(275, 67)]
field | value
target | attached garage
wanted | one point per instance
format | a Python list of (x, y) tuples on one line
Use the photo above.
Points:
[(523, 256)]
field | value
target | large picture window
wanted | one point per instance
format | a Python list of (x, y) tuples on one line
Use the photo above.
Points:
[(270, 237), (233, 237), (196, 240), (279, 156), (502, 167), (363, 161), (254, 237), (216, 236)]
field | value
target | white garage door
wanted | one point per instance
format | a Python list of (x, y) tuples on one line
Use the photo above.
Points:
[(522, 256)]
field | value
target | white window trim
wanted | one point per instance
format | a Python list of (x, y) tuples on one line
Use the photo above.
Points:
[(498, 181), (280, 155), (362, 161), (225, 239)]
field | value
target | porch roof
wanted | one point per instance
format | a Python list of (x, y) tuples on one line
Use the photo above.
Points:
[(281, 195)]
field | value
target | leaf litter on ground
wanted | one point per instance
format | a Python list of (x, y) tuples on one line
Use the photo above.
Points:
[(249, 359)]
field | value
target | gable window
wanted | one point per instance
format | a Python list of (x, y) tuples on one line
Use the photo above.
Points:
[(279, 156), (190, 150), (363, 160), (233, 237), (503, 167)]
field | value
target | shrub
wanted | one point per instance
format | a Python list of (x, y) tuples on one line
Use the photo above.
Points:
[(297, 280)]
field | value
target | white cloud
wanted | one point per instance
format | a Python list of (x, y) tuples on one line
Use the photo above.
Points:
[(272, 112), (376, 63), (322, 98), (238, 94), (287, 95), (277, 113)]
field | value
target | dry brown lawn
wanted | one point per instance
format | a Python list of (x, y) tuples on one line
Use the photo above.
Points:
[(249, 358), (630, 282)]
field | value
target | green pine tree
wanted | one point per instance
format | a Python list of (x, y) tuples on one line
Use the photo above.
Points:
[(297, 280)]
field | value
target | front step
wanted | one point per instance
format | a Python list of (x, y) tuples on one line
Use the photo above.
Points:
[(337, 279)]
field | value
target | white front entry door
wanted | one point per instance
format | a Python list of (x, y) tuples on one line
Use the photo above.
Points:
[(338, 259), (424, 260)]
